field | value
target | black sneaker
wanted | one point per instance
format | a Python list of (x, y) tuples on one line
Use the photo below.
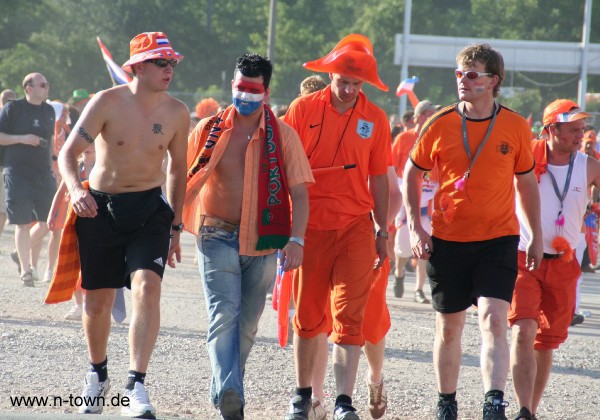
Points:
[(399, 287), (345, 412), (493, 409), (524, 414), (231, 407), (577, 319), (299, 408), (447, 410), (14, 255)]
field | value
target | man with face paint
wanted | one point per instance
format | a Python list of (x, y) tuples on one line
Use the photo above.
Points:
[(244, 166), (339, 126), (544, 299), (480, 148)]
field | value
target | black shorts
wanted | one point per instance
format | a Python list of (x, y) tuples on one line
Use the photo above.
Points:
[(131, 232), (461, 272), (28, 198)]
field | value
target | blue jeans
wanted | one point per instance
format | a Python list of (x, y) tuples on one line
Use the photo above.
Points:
[(235, 289)]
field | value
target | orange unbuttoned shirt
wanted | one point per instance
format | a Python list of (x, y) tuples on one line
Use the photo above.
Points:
[(360, 136), (485, 209), (295, 165), (403, 144)]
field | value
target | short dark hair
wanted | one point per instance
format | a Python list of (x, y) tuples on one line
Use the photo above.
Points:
[(254, 65), (486, 55)]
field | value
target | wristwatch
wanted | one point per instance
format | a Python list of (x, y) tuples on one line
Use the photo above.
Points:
[(383, 234), (297, 240), (177, 228)]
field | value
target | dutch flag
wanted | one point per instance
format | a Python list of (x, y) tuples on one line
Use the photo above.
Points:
[(117, 74)]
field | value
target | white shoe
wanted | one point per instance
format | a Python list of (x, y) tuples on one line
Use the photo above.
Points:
[(34, 274), (139, 403), (74, 313), (318, 410), (48, 275), (93, 394)]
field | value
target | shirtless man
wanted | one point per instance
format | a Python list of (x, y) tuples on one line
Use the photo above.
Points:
[(124, 222)]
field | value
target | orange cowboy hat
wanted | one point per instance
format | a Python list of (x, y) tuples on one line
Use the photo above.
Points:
[(150, 46), (352, 57), (561, 111)]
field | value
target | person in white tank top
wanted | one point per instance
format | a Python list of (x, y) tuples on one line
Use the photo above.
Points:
[(544, 299)]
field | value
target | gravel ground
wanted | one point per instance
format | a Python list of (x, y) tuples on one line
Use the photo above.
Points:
[(43, 355)]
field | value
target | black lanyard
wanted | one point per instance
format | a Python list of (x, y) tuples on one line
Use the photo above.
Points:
[(466, 138), (561, 196)]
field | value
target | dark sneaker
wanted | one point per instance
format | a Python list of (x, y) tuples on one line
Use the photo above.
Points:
[(15, 257), (399, 287), (420, 297), (577, 319), (27, 279), (345, 412), (493, 409), (231, 407), (299, 408), (524, 414), (447, 410)]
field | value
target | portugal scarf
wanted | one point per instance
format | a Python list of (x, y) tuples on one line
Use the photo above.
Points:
[(273, 202)]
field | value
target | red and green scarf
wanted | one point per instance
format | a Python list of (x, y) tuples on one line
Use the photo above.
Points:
[(273, 202)]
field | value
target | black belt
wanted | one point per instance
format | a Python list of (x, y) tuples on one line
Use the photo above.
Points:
[(551, 256)]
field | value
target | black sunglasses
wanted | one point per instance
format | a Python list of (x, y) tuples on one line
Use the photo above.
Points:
[(163, 62)]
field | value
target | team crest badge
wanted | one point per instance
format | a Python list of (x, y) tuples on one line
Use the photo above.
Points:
[(364, 129)]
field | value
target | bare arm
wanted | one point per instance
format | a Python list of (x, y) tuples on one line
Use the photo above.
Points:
[(83, 134), (529, 196), (293, 253), (395, 195), (593, 172), (380, 191), (57, 202), (27, 139), (176, 181), (420, 240)]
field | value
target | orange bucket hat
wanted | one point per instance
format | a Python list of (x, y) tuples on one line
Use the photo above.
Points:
[(561, 111), (352, 57), (150, 46)]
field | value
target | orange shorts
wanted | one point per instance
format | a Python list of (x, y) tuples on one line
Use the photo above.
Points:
[(548, 296), (377, 322), (339, 262)]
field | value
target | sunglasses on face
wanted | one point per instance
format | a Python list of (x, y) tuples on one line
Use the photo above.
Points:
[(471, 75), (163, 62)]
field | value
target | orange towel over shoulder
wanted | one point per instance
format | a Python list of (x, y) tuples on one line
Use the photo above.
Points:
[(68, 266)]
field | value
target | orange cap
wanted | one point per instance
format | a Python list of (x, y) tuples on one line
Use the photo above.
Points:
[(352, 57), (561, 111), (150, 46)]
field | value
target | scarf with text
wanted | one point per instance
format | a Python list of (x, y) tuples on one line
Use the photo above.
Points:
[(273, 202)]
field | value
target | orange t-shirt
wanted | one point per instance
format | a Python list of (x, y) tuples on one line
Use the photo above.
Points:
[(360, 136), (485, 209), (403, 144)]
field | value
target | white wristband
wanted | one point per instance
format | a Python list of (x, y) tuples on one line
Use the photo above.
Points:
[(297, 240)]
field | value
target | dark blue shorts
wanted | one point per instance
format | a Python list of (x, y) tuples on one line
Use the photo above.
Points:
[(131, 232), (28, 198), (461, 272)]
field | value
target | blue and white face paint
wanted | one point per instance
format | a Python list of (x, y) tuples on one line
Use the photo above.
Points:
[(247, 96)]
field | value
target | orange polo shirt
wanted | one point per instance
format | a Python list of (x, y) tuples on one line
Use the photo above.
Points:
[(359, 136), (403, 144), (295, 165), (485, 209)]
